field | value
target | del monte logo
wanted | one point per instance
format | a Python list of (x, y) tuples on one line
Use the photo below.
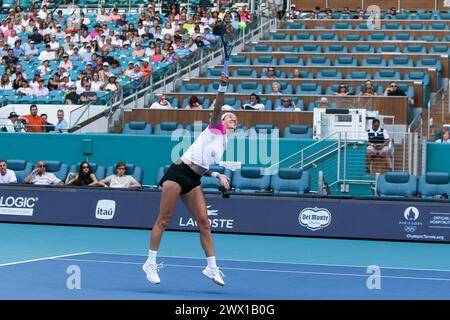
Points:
[(314, 218)]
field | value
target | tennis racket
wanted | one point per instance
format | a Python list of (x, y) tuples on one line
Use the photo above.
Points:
[(229, 34)]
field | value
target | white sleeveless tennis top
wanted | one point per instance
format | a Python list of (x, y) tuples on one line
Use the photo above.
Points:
[(208, 148)]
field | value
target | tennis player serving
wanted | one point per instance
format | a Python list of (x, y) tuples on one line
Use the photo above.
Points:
[(183, 179)]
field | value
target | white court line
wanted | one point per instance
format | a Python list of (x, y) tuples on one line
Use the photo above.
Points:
[(42, 259), (261, 270), (281, 262)]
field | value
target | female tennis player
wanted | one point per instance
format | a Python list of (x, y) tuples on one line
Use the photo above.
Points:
[(183, 179)]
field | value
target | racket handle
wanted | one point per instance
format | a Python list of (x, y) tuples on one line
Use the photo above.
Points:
[(225, 67)]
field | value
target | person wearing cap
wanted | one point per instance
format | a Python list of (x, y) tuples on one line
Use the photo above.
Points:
[(54, 45), (44, 69), (47, 54), (208, 38), (112, 84), (105, 72), (59, 34), (89, 70), (41, 89), (65, 83), (75, 56), (36, 36), (65, 64), (129, 70), (34, 123), (116, 42), (14, 124), (31, 51), (136, 75), (72, 97)]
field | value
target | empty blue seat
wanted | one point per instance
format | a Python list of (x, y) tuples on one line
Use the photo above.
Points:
[(261, 47), (336, 48), (287, 48), (342, 26), (425, 15), (192, 87), (290, 181), (267, 129), (249, 87), (416, 26), (167, 127), (303, 36), (285, 88), (374, 61), (318, 61), (58, 168), (434, 185), (329, 74), (428, 38), (353, 37), (232, 102), (444, 16), (213, 73), (438, 26), (196, 127), (391, 26), (309, 89), (403, 37), (415, 48), (385, 48), (212, 184), (250, 179), (387, 74), (445, 38), (296, 25), (96, 169), (21, 168), (346, 61), (397, 184), (130, 169), (359, 75), (298, 131), (327, 37), (402, 16), (243, 60), (137, 127), (440, 49), (244, 73), (379, 36), (291, 61), (363, 26), (310, 48), (432, 63), (363, 48), (400, 62), (265, 60), (279, 36), (425, 78), (214, 86)]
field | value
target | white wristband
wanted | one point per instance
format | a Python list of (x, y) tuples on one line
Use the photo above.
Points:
[(223, 88), (214, 174)]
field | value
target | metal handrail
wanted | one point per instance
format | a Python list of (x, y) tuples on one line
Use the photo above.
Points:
[(430, 108)]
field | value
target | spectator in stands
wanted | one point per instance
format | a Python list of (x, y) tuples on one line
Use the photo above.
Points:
[(130, 69), (150, 51), (24, 89), (342, 90), (276, 88), (255, 103), (136, 75), (14, 124), (181, 50), (296, 73), (162, 103), (114, 16), (171, 55), (53, 82), (17, 81), (39, 176), (146, 69), (88, 95), (287, 105), (323, 103), (34, 123), (31, 51), (61, 19), (49, 127), (72, 97), (392, 13), (368, 89), (41, 89), (62, 125), (96, 83), (18, 50), (105, 73), (191, 45), (270, 73), (10, 58), (47, 54), (44, 69), (75, 56), (65, 64), (194, 103), (115, 68), (54, 45), (158, 56), (85, 176), (120, 180), (6, 175), (112, 84), (445, 136), (36, 36), (139, 52), (392, 90), (378, 145), (5, 83), (345, 13)]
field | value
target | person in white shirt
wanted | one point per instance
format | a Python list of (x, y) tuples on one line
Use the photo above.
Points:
[(47, 54), (65, 64), (54, 45), (120, 180), (6, 175), (162, 103), (168, 29), (60, 34), (41, 90), (14, 124), (39, 176), (102, 16), (96, 83), (116, 42), (44, 69)]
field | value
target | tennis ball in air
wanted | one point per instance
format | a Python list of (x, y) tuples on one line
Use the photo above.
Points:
[(242, 25)]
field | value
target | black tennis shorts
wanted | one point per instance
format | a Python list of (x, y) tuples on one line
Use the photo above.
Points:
[(182, 174)]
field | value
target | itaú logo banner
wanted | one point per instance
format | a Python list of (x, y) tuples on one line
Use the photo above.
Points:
[(17, 206)]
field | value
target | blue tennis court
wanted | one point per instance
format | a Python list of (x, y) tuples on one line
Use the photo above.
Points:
[(256, 267)]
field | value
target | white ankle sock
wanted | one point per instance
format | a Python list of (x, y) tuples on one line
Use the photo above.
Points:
[(152, 256), (211, 262)]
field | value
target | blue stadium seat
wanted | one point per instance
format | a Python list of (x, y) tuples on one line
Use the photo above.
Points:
[(387, 74), (250, 180), (346, 61), (336, 48), (249, 87), (428, 38), (329, 74), (291, 60), (416, 26), (342, 26), (400, 62), (268, 129), (261, 47), (204, 102), (375, 61), (21, 168), (196, 127), (137, 127), (363, 48), (98, 170), (232, 102), (432, 63), (359, 75), (296, 25), (161, 172), (167, 127), (362, 26), (244, 73), (298, 103), (434, 185), (444, 16), (403, 37), (425, 15), (415, 49), (386, 48), (241, 60), (212, 184), (303, 74), (303, 36), (278, 36), (318, 61), (409, 90), (445, 38), (314, 104), (214, 86), (353, 37), (391, 26), (379, 36), (309, 89), (285, 88), (58, 168), (438, 26), (213, 73), (333, 88), (327, 37), (192, 87), (397, 184), (290, 181), (265, 60), (298, 131), (130, 169), (440, 49), (402, 16), (287, 48), (310, 48), (278, 74)]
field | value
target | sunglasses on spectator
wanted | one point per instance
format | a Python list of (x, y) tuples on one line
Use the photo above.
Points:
[(41, 166), (85, 167), (121, 168), (393, 85)]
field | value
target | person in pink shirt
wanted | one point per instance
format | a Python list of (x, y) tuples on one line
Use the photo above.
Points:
[(114, 16)]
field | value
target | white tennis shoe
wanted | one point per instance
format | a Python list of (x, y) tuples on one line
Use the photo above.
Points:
[(215, 275), (151, 270)]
